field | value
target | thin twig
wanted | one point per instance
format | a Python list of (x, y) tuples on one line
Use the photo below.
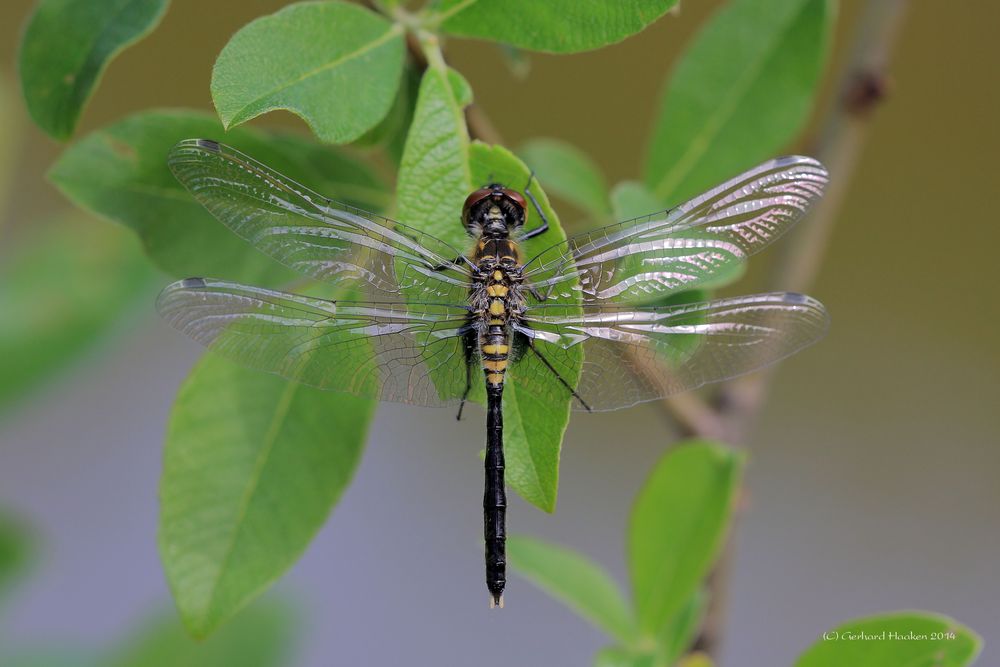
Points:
[(480, 126), (861, 86)]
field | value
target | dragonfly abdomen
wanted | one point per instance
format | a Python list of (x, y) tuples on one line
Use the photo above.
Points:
[(494, 344), (493, 302)]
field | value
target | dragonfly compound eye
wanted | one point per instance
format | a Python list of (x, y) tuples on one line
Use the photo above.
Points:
[(518, 200), (470, 203)]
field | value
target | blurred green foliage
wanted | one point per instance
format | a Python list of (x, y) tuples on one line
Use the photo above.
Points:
[(677, 526), (120, 173), (16, 547), (65, 285), (261, 636), (65, 49)]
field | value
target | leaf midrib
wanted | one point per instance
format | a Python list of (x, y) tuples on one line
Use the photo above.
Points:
[(700, 143), (270, 438), (393, 31)]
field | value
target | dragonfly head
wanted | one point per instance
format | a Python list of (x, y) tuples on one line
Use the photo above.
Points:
[(494, 211)]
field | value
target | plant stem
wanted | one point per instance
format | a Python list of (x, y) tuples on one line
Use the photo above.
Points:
[(861, 86)]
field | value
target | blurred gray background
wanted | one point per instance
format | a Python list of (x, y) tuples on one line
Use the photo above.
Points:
[(873, 471)]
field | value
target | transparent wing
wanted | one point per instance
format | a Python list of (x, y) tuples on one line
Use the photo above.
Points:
[(314, 235), (682, 248), (404, 353), (636, 355)]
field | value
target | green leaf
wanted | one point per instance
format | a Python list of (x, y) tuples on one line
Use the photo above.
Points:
[(15, 551), (434, 176), (682, 628), (556, 26), (741, 92), (677, 527), (260, 636), (534, 421), (576, 581), (334, 64), (911, 638), (63, 286), (632, 199), (253, 466), (120, 173), (66, 47), (569, 174), (619, 656)]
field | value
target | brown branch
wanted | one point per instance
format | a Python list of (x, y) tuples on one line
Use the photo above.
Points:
[(480, 126), (862, 84)]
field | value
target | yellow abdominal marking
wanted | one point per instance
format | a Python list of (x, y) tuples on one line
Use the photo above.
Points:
[(497, 366), (496, 322), (495, 349), (497, 290), (496, 307), (494, 378), (497, 275)]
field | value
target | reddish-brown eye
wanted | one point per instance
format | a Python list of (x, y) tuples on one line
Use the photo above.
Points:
[(473, 199), (517, 198)]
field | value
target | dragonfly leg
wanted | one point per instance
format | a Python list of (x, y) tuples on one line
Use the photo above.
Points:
[(537, 231), (545, 361), (458, 260)]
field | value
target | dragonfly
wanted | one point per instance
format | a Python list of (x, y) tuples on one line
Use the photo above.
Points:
[(424, 322)]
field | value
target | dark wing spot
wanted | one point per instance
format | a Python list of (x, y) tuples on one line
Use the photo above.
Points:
[(795, 297), (209, 144), (193, 283)]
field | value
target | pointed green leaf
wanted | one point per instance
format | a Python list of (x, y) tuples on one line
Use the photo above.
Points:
[(253, 466), (619, 656), (576, 581), (260, 636), (569, 174), (741, 92), (911, 638), (677, 527), (536, 406), (66, 47), (556, 26), (120, 173), (63, 286), (680, 632), (434, 177), (335, 65)]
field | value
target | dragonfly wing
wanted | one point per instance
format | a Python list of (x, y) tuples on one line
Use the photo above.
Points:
[(314, 235), (636, 355), (685, 247), (398, 352)]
